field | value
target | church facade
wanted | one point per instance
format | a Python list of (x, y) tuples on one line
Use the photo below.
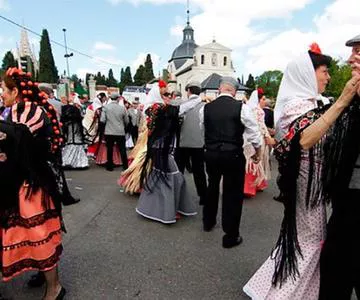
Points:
[(205, 64)]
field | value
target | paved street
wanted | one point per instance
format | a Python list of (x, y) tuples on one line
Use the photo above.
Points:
[(112, 253)]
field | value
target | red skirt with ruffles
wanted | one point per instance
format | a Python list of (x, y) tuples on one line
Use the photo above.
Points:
[(33, 239)]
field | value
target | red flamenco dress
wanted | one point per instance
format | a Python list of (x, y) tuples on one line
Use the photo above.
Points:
[(30, 208)]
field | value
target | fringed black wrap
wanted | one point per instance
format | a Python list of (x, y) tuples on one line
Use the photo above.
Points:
[(163, 122), (341, 151), (288, 153)]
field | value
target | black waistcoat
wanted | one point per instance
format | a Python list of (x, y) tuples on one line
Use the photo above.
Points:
[(223, 127)]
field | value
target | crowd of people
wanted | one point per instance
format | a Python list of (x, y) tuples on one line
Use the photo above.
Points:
[(220, 141)]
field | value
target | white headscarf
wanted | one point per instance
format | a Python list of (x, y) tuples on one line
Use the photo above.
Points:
[(96, 103), (254, 99), (153, 97), (298, 93)]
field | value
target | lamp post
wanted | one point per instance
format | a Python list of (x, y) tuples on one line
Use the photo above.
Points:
[(66, 54)]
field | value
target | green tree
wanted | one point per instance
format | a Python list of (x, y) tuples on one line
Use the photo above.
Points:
[(340, 73), (127, 79), (148, 71), (250, 83), (270, 82), (9, 61), (48, 71), (139, 77), (111, 81), (100, 79)]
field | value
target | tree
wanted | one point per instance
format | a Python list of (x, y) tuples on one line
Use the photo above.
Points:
[(100, 79), (148, 71), (111, 81), (9, 61), (127, 76), (48, 71), (139, 77), (340, 74), (250, 83), (269, 81)]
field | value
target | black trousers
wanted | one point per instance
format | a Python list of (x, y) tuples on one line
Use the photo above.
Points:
[(120, 141), (196, 155), (230, 166), (134, 133), (340, 256)]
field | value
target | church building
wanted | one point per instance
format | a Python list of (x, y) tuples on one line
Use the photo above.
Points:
[(205, 64)]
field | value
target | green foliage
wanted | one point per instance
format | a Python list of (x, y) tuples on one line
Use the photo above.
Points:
[(125, 78), (270, 81), (48, 71), (165, 75), (340, 74), (139, 77), (250, 83), (100, 79), (148, 71), (111, 81), (9, 61)]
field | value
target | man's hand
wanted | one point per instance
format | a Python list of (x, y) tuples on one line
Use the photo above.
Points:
[(256, 157)]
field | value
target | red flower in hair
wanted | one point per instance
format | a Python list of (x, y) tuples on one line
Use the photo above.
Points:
[(314, 47), (162, 84), (260, 91)]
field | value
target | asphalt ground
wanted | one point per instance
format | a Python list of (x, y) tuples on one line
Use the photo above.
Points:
[(113, 253)]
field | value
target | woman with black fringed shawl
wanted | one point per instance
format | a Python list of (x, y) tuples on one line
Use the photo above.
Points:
[(164, 191), (303, 121)]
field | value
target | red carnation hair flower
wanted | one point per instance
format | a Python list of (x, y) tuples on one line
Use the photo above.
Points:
[(162, 84), (260, 91), (314, 47)]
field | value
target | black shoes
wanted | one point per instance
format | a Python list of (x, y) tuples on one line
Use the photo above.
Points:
[(36, 280), (231, 242), (61, 294), (70, 201)]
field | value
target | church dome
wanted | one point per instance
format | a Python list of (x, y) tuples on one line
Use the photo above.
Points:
[(186, 49)]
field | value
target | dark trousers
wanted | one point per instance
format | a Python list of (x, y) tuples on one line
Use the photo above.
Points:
[(230, 166), (120, 141), (340, 256), (196, 155), (134, 133)]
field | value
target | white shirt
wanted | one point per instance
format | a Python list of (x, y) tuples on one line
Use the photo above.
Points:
[(248, 119)]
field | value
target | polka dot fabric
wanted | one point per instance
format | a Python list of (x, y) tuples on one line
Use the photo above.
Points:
[(311, 226)]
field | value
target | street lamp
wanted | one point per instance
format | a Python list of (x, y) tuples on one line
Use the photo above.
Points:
[(66, 54)]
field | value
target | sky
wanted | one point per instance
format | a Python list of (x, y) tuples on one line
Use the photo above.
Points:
[(264, 34)]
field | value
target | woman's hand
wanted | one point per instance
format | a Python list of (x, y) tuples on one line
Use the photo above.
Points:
[(269, 141), (349, 91)]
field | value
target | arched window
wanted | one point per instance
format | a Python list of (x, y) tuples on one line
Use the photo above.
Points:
[(202, 59), (225, 61), (214, 60)]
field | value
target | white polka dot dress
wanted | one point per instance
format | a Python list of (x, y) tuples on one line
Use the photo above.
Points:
[(311, 226)]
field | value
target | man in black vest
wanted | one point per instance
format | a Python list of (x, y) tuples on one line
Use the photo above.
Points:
[(225, 120)]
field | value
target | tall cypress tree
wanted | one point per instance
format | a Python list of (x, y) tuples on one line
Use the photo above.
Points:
[(9, 61), (250, 83), (148, 72), (48, 71), (127, 77), (111, 81), (139, 77)]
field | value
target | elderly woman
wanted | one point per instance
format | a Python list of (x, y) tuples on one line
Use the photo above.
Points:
[(303, 119), (30, 209)]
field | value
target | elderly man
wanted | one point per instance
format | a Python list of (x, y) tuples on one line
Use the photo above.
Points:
[(115, 118), (225, 120), (340, 257), (191, 142)]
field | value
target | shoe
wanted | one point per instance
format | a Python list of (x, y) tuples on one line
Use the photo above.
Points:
[(61, 294), (71, 201), (36, 280), (229, 243), (208, 228)]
